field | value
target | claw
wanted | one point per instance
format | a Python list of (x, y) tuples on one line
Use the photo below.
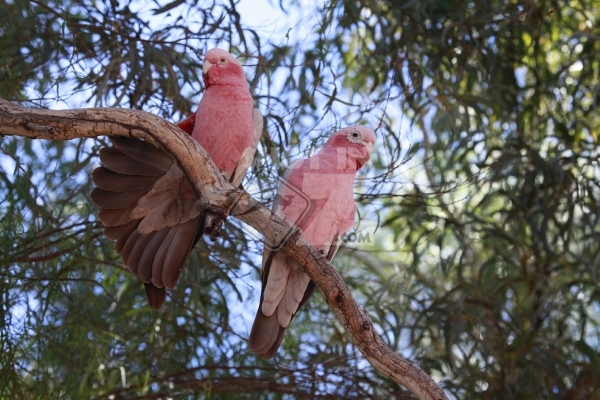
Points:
[(212, 225), (216, 232)]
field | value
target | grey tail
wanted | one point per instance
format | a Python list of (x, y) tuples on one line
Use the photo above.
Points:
[(266, 335)]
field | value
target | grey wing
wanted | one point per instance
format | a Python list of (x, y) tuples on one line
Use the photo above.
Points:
[(149, 209), (331, 252), (248, 153)]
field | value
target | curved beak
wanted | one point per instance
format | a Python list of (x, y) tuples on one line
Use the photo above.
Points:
[(369, 147), (205, 68), (207, 65)]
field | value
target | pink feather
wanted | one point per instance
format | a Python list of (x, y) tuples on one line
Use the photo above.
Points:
[(161, 217), (315, 196)]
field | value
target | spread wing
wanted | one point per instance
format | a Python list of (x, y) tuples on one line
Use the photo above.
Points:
[(148, 207)]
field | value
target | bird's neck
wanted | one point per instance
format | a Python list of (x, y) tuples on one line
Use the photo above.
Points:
[(229, 92), (335, 160)]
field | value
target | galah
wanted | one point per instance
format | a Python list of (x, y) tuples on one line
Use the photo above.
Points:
[(315, 196), (145, 202)]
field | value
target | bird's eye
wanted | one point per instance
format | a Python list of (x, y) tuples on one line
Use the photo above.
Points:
[(222, 60), (354, 137)]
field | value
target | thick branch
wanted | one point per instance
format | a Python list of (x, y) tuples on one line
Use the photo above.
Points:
[(211, 187)]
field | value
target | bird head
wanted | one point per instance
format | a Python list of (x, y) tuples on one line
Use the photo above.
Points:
[(221, 68), (353, 146)]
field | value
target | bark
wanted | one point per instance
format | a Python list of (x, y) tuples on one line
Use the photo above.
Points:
[(220, 196)]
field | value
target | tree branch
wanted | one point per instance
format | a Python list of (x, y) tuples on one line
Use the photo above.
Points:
[(218, 194)]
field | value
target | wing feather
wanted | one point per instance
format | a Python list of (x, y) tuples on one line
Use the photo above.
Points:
[(248, 154), (114, 182), (122, 240), (113, 232), (128, 247), (116, 217), (118, 162), (115, 200), (148, 207), (161, 255), (133, 261), (147, 258), (143, 152), (178, 251)]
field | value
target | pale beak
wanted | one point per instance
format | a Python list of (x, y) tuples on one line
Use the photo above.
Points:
[(207, 65), (369, 147)]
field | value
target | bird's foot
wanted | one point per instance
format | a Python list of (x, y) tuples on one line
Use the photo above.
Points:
[(212, 225)]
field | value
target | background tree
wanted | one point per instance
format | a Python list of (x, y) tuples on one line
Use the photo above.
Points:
[(480, 251)]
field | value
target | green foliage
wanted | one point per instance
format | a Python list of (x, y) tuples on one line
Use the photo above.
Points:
[(481, 205)]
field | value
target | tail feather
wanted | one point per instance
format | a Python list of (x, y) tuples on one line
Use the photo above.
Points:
[(266, 335), (156, 296)]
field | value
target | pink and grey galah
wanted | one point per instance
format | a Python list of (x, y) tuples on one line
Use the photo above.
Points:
[(145, 202), (316, 196)]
